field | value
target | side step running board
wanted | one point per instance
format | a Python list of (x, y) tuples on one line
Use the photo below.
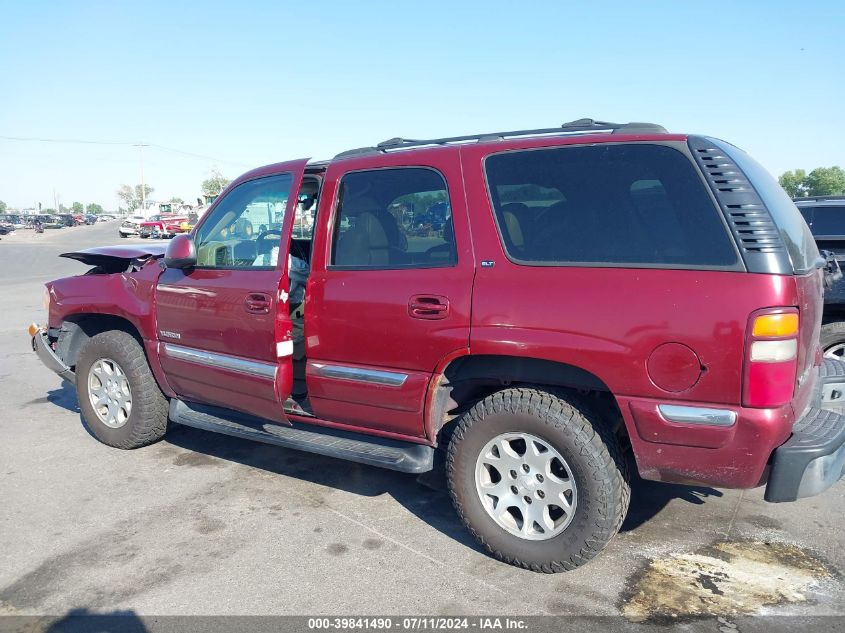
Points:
[(365, 449)]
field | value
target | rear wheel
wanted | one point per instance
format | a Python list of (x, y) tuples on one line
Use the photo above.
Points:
[(833, 340), (538, 479), (121, 403)]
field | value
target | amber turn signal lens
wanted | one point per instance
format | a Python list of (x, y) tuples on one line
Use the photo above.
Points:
[(776, 325), (33, 329)]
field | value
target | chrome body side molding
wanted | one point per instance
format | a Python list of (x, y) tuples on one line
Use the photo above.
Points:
[(357, 374), (697, 415), (222, 361)]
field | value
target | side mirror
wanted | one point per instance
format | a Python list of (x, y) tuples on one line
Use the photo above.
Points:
[(181, 252)]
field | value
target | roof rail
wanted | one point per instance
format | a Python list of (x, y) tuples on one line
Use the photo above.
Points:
[(579, 126)]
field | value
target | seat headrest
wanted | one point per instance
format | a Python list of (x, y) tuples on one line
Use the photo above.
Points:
[(360, 204)]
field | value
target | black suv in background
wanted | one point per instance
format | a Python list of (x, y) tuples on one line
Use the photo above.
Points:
[(826, 217)]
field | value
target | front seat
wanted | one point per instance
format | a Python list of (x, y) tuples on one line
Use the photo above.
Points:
[(512, 225), (396, 238), (365, 244), (445, 252)]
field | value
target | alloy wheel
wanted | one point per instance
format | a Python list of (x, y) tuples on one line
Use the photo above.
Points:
[(109, 393), (526, 486)]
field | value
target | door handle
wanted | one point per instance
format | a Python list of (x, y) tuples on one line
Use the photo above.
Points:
[(428, 307), (258, 303)]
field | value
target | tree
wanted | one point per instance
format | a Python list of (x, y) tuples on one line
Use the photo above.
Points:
[(826, 181), (77, 208), (94, 208), (794, 183), (822, 181), (3, 207), (132, 196), (216, 183), (176, 200)]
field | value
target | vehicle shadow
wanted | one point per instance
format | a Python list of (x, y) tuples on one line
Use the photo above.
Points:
[(425, 496), (85, 621), (430, 501), (63, 396), (648, 498)]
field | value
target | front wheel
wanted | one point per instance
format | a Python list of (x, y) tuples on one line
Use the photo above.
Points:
[(121, 403), (538, 479)]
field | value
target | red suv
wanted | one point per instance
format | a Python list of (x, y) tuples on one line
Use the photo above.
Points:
[(540, 304)]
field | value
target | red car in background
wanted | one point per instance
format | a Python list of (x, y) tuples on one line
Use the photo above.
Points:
[(163, 226)]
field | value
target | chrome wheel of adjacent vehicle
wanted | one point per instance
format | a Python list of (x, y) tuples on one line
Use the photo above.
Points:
[(835, 351), (109, 393), (525, 486)]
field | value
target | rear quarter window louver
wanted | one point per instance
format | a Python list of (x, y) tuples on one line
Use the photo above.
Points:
[(747, 216), (756, 233)]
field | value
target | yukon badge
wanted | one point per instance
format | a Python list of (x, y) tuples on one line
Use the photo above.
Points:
[(169, 334)]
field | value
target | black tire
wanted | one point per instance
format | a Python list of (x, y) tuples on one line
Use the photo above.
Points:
[(147, 420), (591, 451), (833, 334)]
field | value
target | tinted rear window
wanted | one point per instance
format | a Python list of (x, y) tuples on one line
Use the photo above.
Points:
[(829, 221), (634, 204)]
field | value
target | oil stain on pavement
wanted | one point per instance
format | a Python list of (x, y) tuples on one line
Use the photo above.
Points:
[(726, 578)]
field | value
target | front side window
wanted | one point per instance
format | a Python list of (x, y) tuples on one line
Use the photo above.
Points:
[(244, 228), (626, 204), (393, 218)]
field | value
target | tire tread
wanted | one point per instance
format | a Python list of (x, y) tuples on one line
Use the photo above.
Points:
[(556, 409), (148, 419)]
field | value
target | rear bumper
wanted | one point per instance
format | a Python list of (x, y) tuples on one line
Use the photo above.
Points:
[(41, 346), (813, 458), (792, 457)]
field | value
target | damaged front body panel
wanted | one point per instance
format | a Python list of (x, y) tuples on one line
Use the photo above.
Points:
[(116, 259), (118, 292)]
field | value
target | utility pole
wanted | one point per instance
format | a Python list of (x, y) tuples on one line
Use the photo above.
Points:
[(141, 147)]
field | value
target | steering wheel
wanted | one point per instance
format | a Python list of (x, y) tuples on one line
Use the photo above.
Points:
[(267, 236)]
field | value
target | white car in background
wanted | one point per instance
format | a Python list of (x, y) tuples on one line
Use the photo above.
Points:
[(131, 225)]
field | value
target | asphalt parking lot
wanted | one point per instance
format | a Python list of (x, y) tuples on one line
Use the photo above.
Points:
[(208, 524)]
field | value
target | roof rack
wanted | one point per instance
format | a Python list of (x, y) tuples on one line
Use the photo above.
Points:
[(579, 126)]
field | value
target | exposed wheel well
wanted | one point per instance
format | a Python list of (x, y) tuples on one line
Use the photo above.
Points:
[(468, 379), (78, 328)]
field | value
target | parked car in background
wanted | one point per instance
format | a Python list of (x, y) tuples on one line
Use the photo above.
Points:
[(131, 225), (49, 221), (153, 224), (90, 219), (825, 215), (6, 228), (68, 219), (594, 292), (162, 226), (13, 219)]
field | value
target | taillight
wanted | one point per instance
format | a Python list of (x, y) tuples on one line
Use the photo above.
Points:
[(771, 357)]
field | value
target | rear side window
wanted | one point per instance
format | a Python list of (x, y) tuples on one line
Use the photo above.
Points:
[(828, 221), (635, 204), (393, 218)]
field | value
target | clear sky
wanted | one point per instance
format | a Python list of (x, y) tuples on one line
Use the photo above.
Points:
[(247, 83)]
